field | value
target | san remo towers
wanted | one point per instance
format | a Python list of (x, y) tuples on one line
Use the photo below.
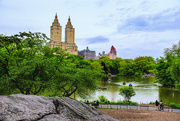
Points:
[(56, 36)]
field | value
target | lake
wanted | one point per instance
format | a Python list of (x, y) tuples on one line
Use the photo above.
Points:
[(145, 88)]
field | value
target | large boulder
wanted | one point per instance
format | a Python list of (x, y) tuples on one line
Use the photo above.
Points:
[(32, 107)]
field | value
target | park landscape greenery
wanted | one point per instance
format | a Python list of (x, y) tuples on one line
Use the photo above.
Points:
[(27, 66)]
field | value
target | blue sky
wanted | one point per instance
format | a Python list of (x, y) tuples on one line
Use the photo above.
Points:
[(134, 27)]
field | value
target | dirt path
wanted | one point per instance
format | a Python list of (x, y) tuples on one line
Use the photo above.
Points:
[(141, 115)]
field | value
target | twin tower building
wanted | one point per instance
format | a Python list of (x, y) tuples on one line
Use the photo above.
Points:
[(56, 36), (69, 44)]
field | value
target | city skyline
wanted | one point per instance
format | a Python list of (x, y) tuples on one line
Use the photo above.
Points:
[(134, 28)]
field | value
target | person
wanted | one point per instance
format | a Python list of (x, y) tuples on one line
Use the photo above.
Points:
[(130, 85), (161, 105), (94, 102), (84, 101), (157, 105), (97, 103), (87, 102)]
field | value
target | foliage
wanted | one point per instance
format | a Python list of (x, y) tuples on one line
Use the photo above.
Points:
[(127, 103), (168, 67), (127, 92), (173, 105), (163, 72), (118, 102), (21, 62), (151, 102), (29, 67), (138, 66), (102, 98)]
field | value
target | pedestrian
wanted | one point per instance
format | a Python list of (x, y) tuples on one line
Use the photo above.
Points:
[(84, 101), (87, 101), (94, 102), (157, 105), (161, 105), (97, 103)]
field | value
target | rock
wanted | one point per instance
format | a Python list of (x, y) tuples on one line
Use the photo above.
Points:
[(32, 107)]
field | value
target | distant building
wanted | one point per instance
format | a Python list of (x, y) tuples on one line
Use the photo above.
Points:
[(112, 54), (56, 37), (87, 54)]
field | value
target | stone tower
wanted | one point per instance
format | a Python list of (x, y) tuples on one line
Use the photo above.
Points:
[(56, 31), (56, 37), (69, 32)]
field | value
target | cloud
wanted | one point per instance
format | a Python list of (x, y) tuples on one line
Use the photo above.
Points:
[(133, 53), (97, 39), (163, 21), (101, 3)]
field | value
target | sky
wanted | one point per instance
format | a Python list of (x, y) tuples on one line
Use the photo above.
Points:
[(134, 27)]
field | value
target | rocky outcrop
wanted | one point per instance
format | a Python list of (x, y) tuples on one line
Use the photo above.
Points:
[(32, 107)]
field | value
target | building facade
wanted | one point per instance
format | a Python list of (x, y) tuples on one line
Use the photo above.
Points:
[(112, 54), (87, 54), (56, 36)]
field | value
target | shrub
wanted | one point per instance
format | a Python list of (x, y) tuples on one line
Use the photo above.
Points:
[(102, 98), (80, 101), (127, 92)]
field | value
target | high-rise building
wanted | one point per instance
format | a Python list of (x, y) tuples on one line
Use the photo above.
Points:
[(87, 54), (56, 36), (111, 54)]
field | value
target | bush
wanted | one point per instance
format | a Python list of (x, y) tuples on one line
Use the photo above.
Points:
[(125, 102), (81, 101), (127, 92), (152, 102), (102, 98), (173, 105)]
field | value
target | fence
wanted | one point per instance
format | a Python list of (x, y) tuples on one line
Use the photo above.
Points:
[(136, 107)]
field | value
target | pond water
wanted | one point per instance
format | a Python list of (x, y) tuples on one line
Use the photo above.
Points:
[(145, 88)]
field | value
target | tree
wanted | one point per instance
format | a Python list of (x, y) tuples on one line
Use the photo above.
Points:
[(71, 79), (27, 65), (163, 75), (127, 67), (175, 66), (127, 92), (168, 67), (102, 98), (175, 72), (106, 63)]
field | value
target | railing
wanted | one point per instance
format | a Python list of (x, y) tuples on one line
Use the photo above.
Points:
[(136, 107)]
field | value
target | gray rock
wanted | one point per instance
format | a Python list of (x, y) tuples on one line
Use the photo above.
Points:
[(32, 107)]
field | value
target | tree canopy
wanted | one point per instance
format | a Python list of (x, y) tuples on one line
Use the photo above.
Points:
[(168, 67), (29, 67), (127, 92)]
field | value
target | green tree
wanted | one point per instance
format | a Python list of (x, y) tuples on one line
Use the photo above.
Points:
[(26, 68), (102, 98), (127, 67), (168, 67), (127, 92), (144, 64), (163, 74), (106, 63), (175, 72), (175, 67)]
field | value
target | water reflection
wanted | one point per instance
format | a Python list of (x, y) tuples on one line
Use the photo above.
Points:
[(169, 95), (145, 88)]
